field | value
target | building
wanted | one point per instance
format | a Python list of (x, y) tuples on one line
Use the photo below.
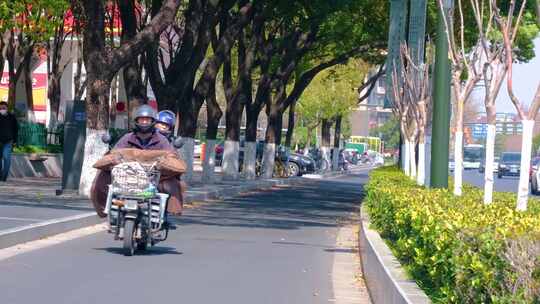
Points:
[(506, 124), (371, 113)]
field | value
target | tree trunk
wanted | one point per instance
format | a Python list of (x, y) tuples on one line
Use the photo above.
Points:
[(412, 158), (12, 86), (290, 126), (135, 89), (97, 113), (427, 180), (29, 90), (271, 139), (490, 156), (214, 114), (406, 162), (250, 149), (326, 142), (337, 137), (133, 84), (54, 99), (537, 12), (526, 147), (233, 117), (421, 176), (458, 149)]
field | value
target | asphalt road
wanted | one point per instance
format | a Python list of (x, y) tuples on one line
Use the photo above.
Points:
[(16, 215), (266, 247), (505, 184), (28, 201)]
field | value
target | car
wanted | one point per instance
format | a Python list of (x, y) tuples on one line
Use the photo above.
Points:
[(451, 165), (300, 164), (534, 175), (482, 167), (509, 164)]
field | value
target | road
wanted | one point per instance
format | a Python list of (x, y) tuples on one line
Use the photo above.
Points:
[(505, 184), (28, 201), (267, 247)]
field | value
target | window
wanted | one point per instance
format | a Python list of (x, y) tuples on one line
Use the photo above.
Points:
[(511, 157)]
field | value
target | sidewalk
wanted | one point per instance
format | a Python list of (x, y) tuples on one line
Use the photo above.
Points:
[(30, 208)]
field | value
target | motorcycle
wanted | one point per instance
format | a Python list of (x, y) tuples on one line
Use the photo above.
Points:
[(136, 211)]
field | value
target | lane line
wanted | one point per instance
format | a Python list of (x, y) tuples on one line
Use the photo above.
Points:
[(22, 219)]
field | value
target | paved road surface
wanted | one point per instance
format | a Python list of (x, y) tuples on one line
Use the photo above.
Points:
[(505, 184), (267, 247)]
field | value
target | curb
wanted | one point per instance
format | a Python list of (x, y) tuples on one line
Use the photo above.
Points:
[(386, 280)]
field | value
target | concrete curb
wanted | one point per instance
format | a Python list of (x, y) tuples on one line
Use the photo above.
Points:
[(386, 280)]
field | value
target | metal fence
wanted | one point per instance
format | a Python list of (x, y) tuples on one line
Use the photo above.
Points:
[(33, 134)]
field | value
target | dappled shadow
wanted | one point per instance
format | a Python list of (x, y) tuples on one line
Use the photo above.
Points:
[(319, 203)]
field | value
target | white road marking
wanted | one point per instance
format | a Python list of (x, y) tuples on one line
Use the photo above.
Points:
[(23, 219)]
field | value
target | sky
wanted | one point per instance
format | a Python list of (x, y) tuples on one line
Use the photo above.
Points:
[(526, 78)]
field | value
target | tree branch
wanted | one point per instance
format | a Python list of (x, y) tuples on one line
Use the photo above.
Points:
[(135, 46)]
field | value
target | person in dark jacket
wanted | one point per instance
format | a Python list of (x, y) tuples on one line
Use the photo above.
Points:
[(9, 131)]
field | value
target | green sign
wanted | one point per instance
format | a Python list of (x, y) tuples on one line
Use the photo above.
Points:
[(396, 36)]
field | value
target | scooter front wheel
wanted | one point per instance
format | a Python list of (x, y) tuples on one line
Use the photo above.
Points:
[(129, 237)]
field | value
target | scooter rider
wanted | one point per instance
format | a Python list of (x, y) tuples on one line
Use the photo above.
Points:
[(165, 124), (144, 137)]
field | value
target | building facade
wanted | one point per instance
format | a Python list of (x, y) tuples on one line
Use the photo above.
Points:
[(506, 124), (371, 113)]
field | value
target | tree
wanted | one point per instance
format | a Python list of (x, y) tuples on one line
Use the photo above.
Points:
[(494, 38), (389, 133), (412, 100), (27, 26), (509, 27), (465, 75), (328, 99), (102, 63), (55, 66)]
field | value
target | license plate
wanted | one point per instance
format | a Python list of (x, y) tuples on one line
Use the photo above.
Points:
[(131, 205), (513, 170)]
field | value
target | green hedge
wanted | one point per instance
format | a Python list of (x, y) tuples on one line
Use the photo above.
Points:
[(458, 249)]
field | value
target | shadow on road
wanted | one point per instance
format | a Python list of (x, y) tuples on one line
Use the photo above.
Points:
[(322, 203), (152, 251)]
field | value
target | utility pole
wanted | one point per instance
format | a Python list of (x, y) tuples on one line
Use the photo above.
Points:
[(441, 104)]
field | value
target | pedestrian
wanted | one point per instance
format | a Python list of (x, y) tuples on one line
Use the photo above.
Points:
[(8, 138)]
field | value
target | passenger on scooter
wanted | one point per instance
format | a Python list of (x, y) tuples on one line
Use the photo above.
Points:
[(165, 124), (144, 137)]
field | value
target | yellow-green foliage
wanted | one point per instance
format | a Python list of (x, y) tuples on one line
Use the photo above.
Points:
[(458, 249)]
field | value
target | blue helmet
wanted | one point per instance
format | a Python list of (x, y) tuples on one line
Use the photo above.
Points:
[(168, 118)]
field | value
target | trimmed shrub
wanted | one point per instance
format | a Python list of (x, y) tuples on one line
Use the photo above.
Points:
[(458, 249)]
